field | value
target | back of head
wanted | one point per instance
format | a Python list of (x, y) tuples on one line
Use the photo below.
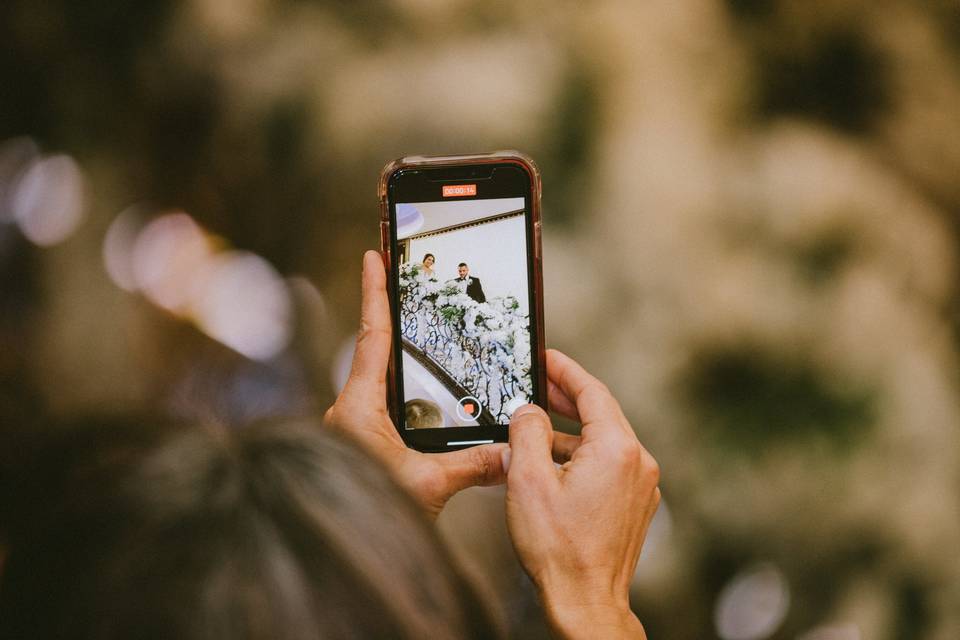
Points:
[(276, 531)]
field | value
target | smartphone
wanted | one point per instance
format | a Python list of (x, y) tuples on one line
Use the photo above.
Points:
[(461, 240)]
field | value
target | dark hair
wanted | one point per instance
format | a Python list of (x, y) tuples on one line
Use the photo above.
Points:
[(429, 255), (462, 264), (277, 531)]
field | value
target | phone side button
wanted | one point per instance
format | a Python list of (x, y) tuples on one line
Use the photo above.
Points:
[(384, 234)]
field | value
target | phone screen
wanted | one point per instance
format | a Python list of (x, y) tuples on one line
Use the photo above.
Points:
[(463, 283)]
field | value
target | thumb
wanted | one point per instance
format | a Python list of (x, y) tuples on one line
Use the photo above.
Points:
[(369, 371), (476, 466), (531, 444)]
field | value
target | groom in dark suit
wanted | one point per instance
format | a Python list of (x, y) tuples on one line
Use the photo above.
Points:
[(474, 290)]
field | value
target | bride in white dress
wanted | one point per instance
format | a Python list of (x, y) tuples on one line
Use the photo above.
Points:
[(427, 266)]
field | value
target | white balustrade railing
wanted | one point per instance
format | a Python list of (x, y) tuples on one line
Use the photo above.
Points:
[(483, 346)]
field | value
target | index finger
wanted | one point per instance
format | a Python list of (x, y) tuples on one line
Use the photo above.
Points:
[(558, 402), (598, 409)]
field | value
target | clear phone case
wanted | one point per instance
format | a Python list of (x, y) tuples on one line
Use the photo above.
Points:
[(536, 275)]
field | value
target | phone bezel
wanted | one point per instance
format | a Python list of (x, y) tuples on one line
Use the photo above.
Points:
[(420, 180)]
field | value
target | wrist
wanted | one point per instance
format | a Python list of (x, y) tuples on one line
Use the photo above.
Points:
[(590, 612), (594, 620)]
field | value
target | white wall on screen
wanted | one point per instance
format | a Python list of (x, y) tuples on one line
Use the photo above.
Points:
[(496, 252)]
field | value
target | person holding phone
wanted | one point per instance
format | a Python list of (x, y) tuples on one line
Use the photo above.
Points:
[(577, 529)]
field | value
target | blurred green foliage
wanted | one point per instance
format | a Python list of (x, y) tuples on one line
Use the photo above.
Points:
[(752, 399)]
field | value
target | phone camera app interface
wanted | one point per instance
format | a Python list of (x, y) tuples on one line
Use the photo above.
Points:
[(464, 311)]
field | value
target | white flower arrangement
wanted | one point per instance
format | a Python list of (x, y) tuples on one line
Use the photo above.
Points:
[(484, 346)]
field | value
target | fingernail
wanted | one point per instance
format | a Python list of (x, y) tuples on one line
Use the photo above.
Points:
[(523, 410), (505, 459)]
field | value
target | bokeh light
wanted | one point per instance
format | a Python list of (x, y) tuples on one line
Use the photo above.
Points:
[(655, 555), (753, 604), (235, 297), (167, 256), (661, 527), (244, 303), (48, 200), (16, 155), (342, 362), (118, 245)]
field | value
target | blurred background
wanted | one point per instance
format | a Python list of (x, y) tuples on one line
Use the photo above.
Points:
[(751, 233)]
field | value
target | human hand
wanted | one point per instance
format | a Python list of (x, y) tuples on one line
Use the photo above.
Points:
[(578, 530), (361, 411)]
